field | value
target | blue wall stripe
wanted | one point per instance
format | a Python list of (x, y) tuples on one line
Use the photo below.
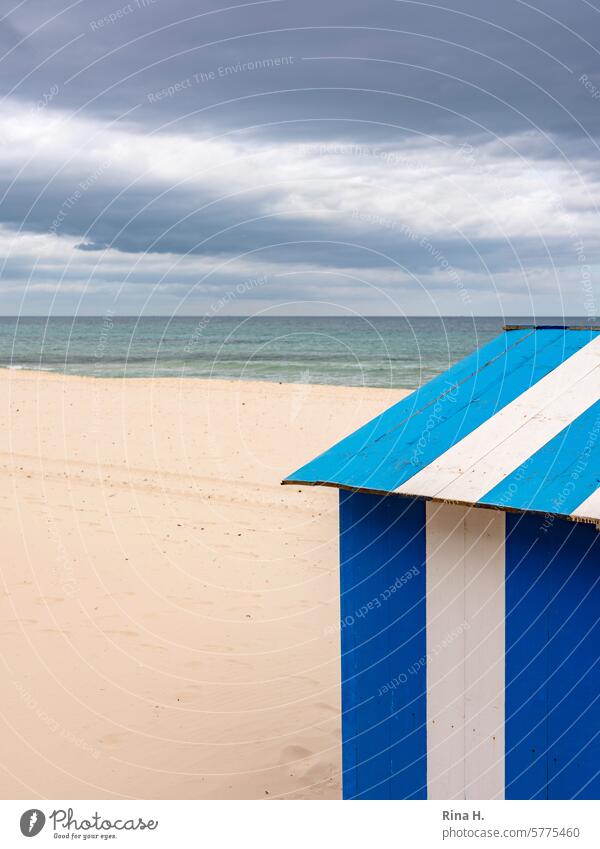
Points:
[(558, 477), (407, 644), (348, 522), (574, 682), (397, 449), (552, 666), (382, 553)]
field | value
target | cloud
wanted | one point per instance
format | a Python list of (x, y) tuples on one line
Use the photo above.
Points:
[(360, 69), (154, 150)]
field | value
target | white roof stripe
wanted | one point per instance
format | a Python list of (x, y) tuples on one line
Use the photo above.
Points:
[(480, 461), (590, 508)]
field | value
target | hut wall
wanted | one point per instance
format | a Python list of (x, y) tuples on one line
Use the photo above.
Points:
[(552, 658), (465, 652), (382, 552), (470, 659)]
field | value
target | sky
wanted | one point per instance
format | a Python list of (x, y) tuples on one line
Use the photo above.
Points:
[(390, 157)]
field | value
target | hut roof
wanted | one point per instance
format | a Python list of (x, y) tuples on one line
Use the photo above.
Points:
[(515, 425)]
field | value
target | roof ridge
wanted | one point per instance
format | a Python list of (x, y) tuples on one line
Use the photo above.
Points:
[(551, 327)]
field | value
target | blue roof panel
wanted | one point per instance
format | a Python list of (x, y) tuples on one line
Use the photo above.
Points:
[(417, 433)]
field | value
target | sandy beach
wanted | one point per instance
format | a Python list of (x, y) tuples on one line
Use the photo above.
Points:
[(169, 610)]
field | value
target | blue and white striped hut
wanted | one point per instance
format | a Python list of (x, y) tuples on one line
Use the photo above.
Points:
[(470, 578)]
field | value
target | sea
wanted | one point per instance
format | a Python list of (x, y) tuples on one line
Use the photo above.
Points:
[(342, 351)]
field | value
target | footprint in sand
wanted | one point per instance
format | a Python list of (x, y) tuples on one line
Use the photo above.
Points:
[(294, 753), (116, 633)]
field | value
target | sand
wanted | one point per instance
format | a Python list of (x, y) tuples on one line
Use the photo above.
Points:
[(168, 610)]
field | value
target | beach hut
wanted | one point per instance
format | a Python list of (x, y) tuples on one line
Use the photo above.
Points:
[(470, 578)]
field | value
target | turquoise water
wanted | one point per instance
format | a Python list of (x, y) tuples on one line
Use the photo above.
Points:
[(344, 351)]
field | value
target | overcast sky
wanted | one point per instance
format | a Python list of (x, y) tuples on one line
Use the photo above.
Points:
[(306, 156)]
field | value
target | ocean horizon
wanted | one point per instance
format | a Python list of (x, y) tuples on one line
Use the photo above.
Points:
[(376, 351)]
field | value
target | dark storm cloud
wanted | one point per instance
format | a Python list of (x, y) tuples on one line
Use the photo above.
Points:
[(149, 218), (454, 76), (401, 66)]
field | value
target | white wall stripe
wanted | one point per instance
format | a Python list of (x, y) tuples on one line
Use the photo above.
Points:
[(485, 593), (465, 652), (477, 463)]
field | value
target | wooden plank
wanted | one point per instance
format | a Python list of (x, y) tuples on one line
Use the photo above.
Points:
[(534, 430), (369, 623), (414, 444), (382, 549), (341, 464), (465, 652), (400, 443), (446, 774), (350, 696), (552, 659), (485, 534), (589, 508), (590, 327), (574, 663), (405, 602), (558, 477), (526, 659), (480, 460)]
